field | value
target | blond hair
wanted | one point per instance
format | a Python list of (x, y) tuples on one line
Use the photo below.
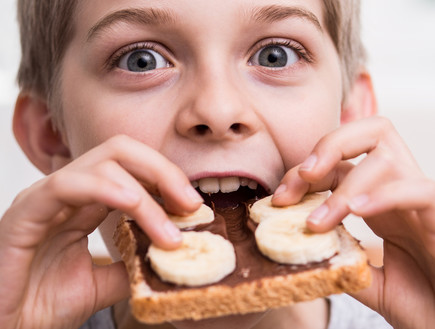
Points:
[(343, 22), (47, 26)]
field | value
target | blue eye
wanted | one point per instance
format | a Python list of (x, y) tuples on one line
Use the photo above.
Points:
[(275, 56), (142, 60)]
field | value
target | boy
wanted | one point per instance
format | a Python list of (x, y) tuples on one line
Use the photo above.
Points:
[(124, 100)]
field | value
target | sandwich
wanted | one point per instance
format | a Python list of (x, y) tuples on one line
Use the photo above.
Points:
[(237, 260)]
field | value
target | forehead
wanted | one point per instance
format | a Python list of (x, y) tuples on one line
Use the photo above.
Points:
[(195, 13)]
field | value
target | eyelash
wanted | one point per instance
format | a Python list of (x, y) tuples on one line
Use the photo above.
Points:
[(302, 52), (114, 60)]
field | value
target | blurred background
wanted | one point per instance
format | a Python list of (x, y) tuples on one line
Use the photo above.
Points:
[(400, 39)]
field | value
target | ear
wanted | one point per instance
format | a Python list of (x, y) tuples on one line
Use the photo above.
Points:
[(33, 129), (361, 100)]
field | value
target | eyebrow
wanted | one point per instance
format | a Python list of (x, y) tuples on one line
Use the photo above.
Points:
[(274, 13), (142, 16), (153, 16)]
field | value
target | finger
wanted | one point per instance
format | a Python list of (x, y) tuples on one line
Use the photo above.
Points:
[(370, 296), (112, 284), (409, 194), (80, 189), (39, 212), (47, 203), (352, 140), (147, 212), (156, 173), (369, 174), (405, 194), (152, 169), (400, 282), (293, 187)]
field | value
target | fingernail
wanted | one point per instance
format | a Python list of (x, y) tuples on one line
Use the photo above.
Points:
[(193, 195), (318, 215), (280, 190), (172, 231), (309, 163), (358, 202)]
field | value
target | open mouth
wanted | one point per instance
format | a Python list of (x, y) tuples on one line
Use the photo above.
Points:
[(229, 192)]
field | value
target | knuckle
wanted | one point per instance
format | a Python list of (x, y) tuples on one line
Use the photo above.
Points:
[(385, 126), (21, 196), (331, 144), (327, 139), (383, 122), (56, 181), (105, 168), (385, 160), (387, 165), (117, 143)]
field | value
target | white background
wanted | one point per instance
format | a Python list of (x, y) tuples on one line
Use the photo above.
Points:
[(400, 38)]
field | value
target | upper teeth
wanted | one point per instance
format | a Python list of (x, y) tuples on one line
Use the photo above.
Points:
[(224, 184)]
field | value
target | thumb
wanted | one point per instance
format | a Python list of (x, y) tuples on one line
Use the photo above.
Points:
[(112, 284), (371, 295)]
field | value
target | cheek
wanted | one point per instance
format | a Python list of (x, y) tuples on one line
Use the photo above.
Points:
[(92, 120), (94, 111), (299, 118)]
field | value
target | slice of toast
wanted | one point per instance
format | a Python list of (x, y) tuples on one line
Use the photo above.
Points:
[(248, 289)]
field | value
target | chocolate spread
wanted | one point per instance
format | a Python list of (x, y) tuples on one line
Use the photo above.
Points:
[(235, 225)]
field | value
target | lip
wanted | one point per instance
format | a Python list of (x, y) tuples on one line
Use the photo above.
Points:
[(231, 174)]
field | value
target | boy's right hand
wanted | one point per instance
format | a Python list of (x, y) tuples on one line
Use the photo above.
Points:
[(47, 276)]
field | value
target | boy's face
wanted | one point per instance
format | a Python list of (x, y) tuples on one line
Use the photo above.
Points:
[(222, 88)]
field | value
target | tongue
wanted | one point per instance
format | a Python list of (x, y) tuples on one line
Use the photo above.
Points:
[(233, 199)]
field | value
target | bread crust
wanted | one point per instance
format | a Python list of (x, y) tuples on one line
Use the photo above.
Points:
[(348, 271)]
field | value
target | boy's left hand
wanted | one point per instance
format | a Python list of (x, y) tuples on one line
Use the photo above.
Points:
[(388, 189)]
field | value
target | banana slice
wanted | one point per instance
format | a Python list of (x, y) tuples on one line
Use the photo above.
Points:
[(286, 240), (263, 209), (203, 258), (203, 215)]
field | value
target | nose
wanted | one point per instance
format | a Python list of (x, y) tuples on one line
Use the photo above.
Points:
[(216, 108)]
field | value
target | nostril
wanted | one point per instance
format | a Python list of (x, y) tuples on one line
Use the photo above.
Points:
[(236, 127), (201, 129)]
